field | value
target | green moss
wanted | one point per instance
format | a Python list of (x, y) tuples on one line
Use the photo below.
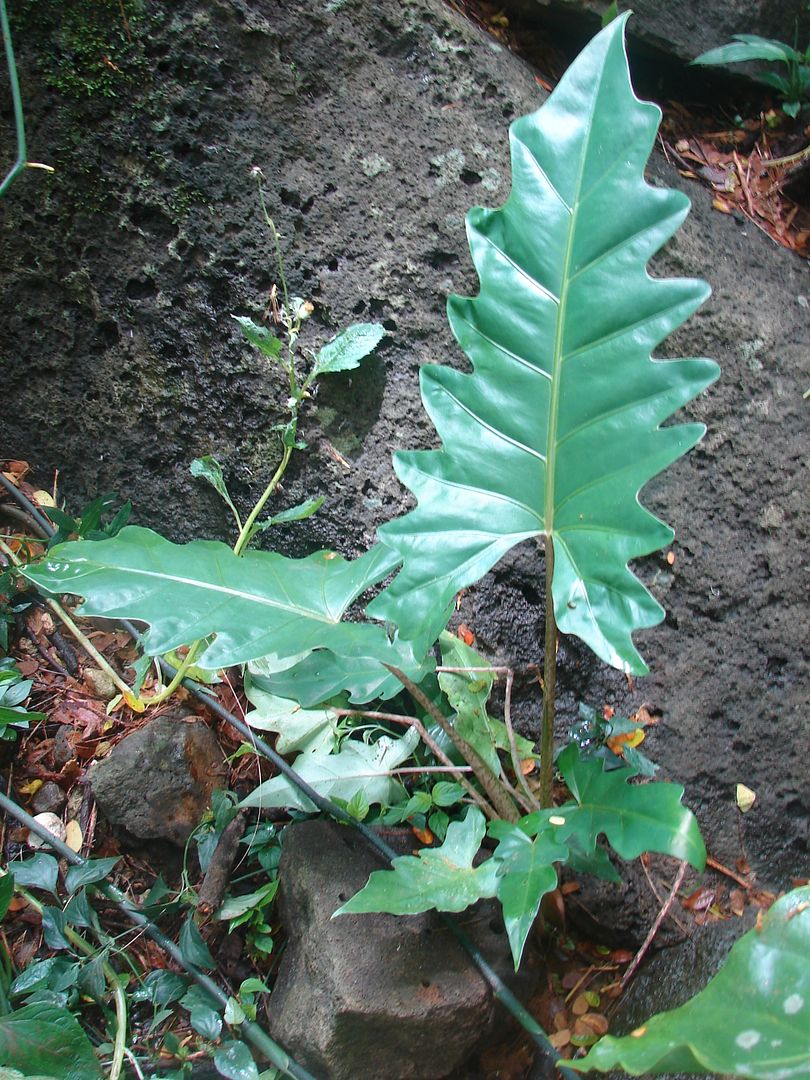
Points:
[(83, 48)]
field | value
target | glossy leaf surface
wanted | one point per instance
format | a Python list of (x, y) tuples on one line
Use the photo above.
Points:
[(357, 767), (443, 878), (345, 351), (302, 731), (634, 817), (559, 424), (752, 1020), (260, 604), (526, 873)]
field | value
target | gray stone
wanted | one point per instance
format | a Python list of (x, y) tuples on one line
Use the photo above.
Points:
[(372, 997), (684, 29), (157, 782), (50, 799)]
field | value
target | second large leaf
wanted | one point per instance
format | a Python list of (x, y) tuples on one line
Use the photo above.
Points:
[(559, 425)]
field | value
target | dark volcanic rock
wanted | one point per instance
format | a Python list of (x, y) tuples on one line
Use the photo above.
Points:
[(376, 126), (157, 782), (372, 997)]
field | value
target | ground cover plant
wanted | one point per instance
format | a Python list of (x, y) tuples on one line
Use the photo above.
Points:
[(550, 437)]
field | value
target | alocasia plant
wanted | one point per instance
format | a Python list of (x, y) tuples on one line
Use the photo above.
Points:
[(558, 426)]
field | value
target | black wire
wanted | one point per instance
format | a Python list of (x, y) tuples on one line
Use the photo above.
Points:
[(387, 853), (28, 506)]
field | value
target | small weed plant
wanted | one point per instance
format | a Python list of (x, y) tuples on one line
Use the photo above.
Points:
[(546, 440)]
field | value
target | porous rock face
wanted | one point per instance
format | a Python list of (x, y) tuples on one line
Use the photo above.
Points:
[(376, 126), (156, 783), (684, 29), (373, 997)]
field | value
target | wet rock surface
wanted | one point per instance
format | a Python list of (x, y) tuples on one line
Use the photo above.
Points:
[(157, 782), (374, 997), (376, 127)]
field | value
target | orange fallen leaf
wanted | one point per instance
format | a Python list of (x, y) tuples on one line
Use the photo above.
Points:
[(527, 766), (559, 1039), (722, 206), (671, 558), (424, 835), (591, 1023), (581, 1005), (466, 635)]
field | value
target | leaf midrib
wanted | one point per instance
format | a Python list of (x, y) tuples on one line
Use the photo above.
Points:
[(230, 592), (556, 365)]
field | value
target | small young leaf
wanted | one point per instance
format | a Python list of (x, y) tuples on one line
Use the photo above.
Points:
[(41, 871), (53, 928), (442, 878), (260, 336), (192, 946), (358, 766), (208, 468), (234, 1013), (748, 47), (297, 513), (526, 873), (447, 793), (203, 1012), (91, 871), (235, 1061), (345, 351), (6, 892)]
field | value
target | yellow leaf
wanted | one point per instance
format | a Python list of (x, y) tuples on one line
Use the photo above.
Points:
[(73, 836), (31, 788), (745, 798)]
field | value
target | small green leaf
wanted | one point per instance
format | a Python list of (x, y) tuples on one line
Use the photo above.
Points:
[(447, 793), (748, 47), (610, 13), (526, 872), (442, 878), (234, 906), (234, 1013), (41, 871), (203, 1012), (297, 513), (299, 730), (235, 1061), (634, 817), (53, 928), (345, 351), (752, 1020), (260, 336), (47, 1040), (192, 946), (6, 892), (91, 871), (208, 468)]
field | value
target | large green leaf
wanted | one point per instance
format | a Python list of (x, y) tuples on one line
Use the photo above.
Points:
[(752, 1020), (560, 423), (634, 817), (47, 1040), (260, 604), (358, 767), (322, 674), (443, 878)]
